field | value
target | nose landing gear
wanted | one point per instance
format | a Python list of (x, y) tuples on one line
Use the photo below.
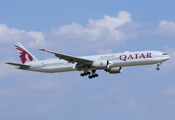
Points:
[(158, 64)]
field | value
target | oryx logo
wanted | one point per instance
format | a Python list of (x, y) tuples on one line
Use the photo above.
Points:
[(24, 56)]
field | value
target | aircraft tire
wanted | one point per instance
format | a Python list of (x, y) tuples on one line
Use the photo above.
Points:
[(93, 76), (85, 74), (96, 75), (90, 77), (82, 74)]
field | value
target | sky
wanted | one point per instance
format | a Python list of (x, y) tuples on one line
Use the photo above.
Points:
[(81, 28)]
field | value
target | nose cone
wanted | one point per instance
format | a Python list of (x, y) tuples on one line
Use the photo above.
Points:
[(167, 57)]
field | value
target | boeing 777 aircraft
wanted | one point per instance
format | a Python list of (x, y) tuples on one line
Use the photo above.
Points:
[(111, 63)]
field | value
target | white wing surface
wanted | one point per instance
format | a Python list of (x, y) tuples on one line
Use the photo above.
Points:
[(69, 58)]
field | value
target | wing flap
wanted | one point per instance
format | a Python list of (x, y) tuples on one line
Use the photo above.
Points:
[(69, 58)]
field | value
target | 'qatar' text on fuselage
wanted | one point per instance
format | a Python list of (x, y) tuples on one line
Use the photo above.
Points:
[(135, 56)]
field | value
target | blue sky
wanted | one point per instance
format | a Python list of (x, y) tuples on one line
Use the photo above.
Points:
[(85, 28)]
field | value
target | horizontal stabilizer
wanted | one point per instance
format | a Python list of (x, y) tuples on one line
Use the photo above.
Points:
[(17, 64)]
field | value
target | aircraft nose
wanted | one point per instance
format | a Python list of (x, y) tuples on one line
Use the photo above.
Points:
[(168, 57)]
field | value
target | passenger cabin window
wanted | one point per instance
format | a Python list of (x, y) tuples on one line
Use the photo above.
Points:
[(165, 54)]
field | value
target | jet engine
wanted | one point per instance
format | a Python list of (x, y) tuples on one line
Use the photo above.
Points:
[(114, 70), (100, 64)]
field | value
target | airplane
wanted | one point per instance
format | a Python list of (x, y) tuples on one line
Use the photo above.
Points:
[(111, 63)]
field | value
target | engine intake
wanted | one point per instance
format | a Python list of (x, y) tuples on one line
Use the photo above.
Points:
[(114, 70)]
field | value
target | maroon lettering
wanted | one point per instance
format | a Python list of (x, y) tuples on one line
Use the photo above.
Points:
[(130, 57), (123, 57), (136, 56), (142, 55), (149, 55)]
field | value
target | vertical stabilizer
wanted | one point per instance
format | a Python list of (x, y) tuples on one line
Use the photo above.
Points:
[(24, 54)]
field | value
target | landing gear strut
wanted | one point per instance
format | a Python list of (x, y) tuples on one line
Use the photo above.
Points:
[(158, 64)]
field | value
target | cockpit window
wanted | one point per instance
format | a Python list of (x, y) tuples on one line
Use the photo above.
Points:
[(165, 54)]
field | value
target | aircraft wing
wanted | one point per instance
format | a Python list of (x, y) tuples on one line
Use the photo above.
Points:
[(17, 64), (69, 58)]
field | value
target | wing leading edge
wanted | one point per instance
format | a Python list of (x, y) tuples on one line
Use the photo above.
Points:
[(69, 58)]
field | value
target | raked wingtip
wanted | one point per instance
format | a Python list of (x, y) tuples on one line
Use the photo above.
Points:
[(42, 49)]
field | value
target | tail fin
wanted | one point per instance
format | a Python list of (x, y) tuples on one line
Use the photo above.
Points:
[(24, 54)]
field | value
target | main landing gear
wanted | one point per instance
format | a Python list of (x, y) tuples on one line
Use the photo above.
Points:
[(158, 64), (85, 73), (93, 75)]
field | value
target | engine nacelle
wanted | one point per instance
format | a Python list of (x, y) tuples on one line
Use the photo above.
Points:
[(100, 64), (114, 70)]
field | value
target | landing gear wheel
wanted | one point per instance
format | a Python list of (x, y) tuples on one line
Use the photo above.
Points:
[(89, 74), (96, 75), (93, 76), (158, 64), (82, 74), (90, 77)]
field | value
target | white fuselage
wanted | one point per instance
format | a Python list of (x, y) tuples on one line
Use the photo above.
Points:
[(115, 60)]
